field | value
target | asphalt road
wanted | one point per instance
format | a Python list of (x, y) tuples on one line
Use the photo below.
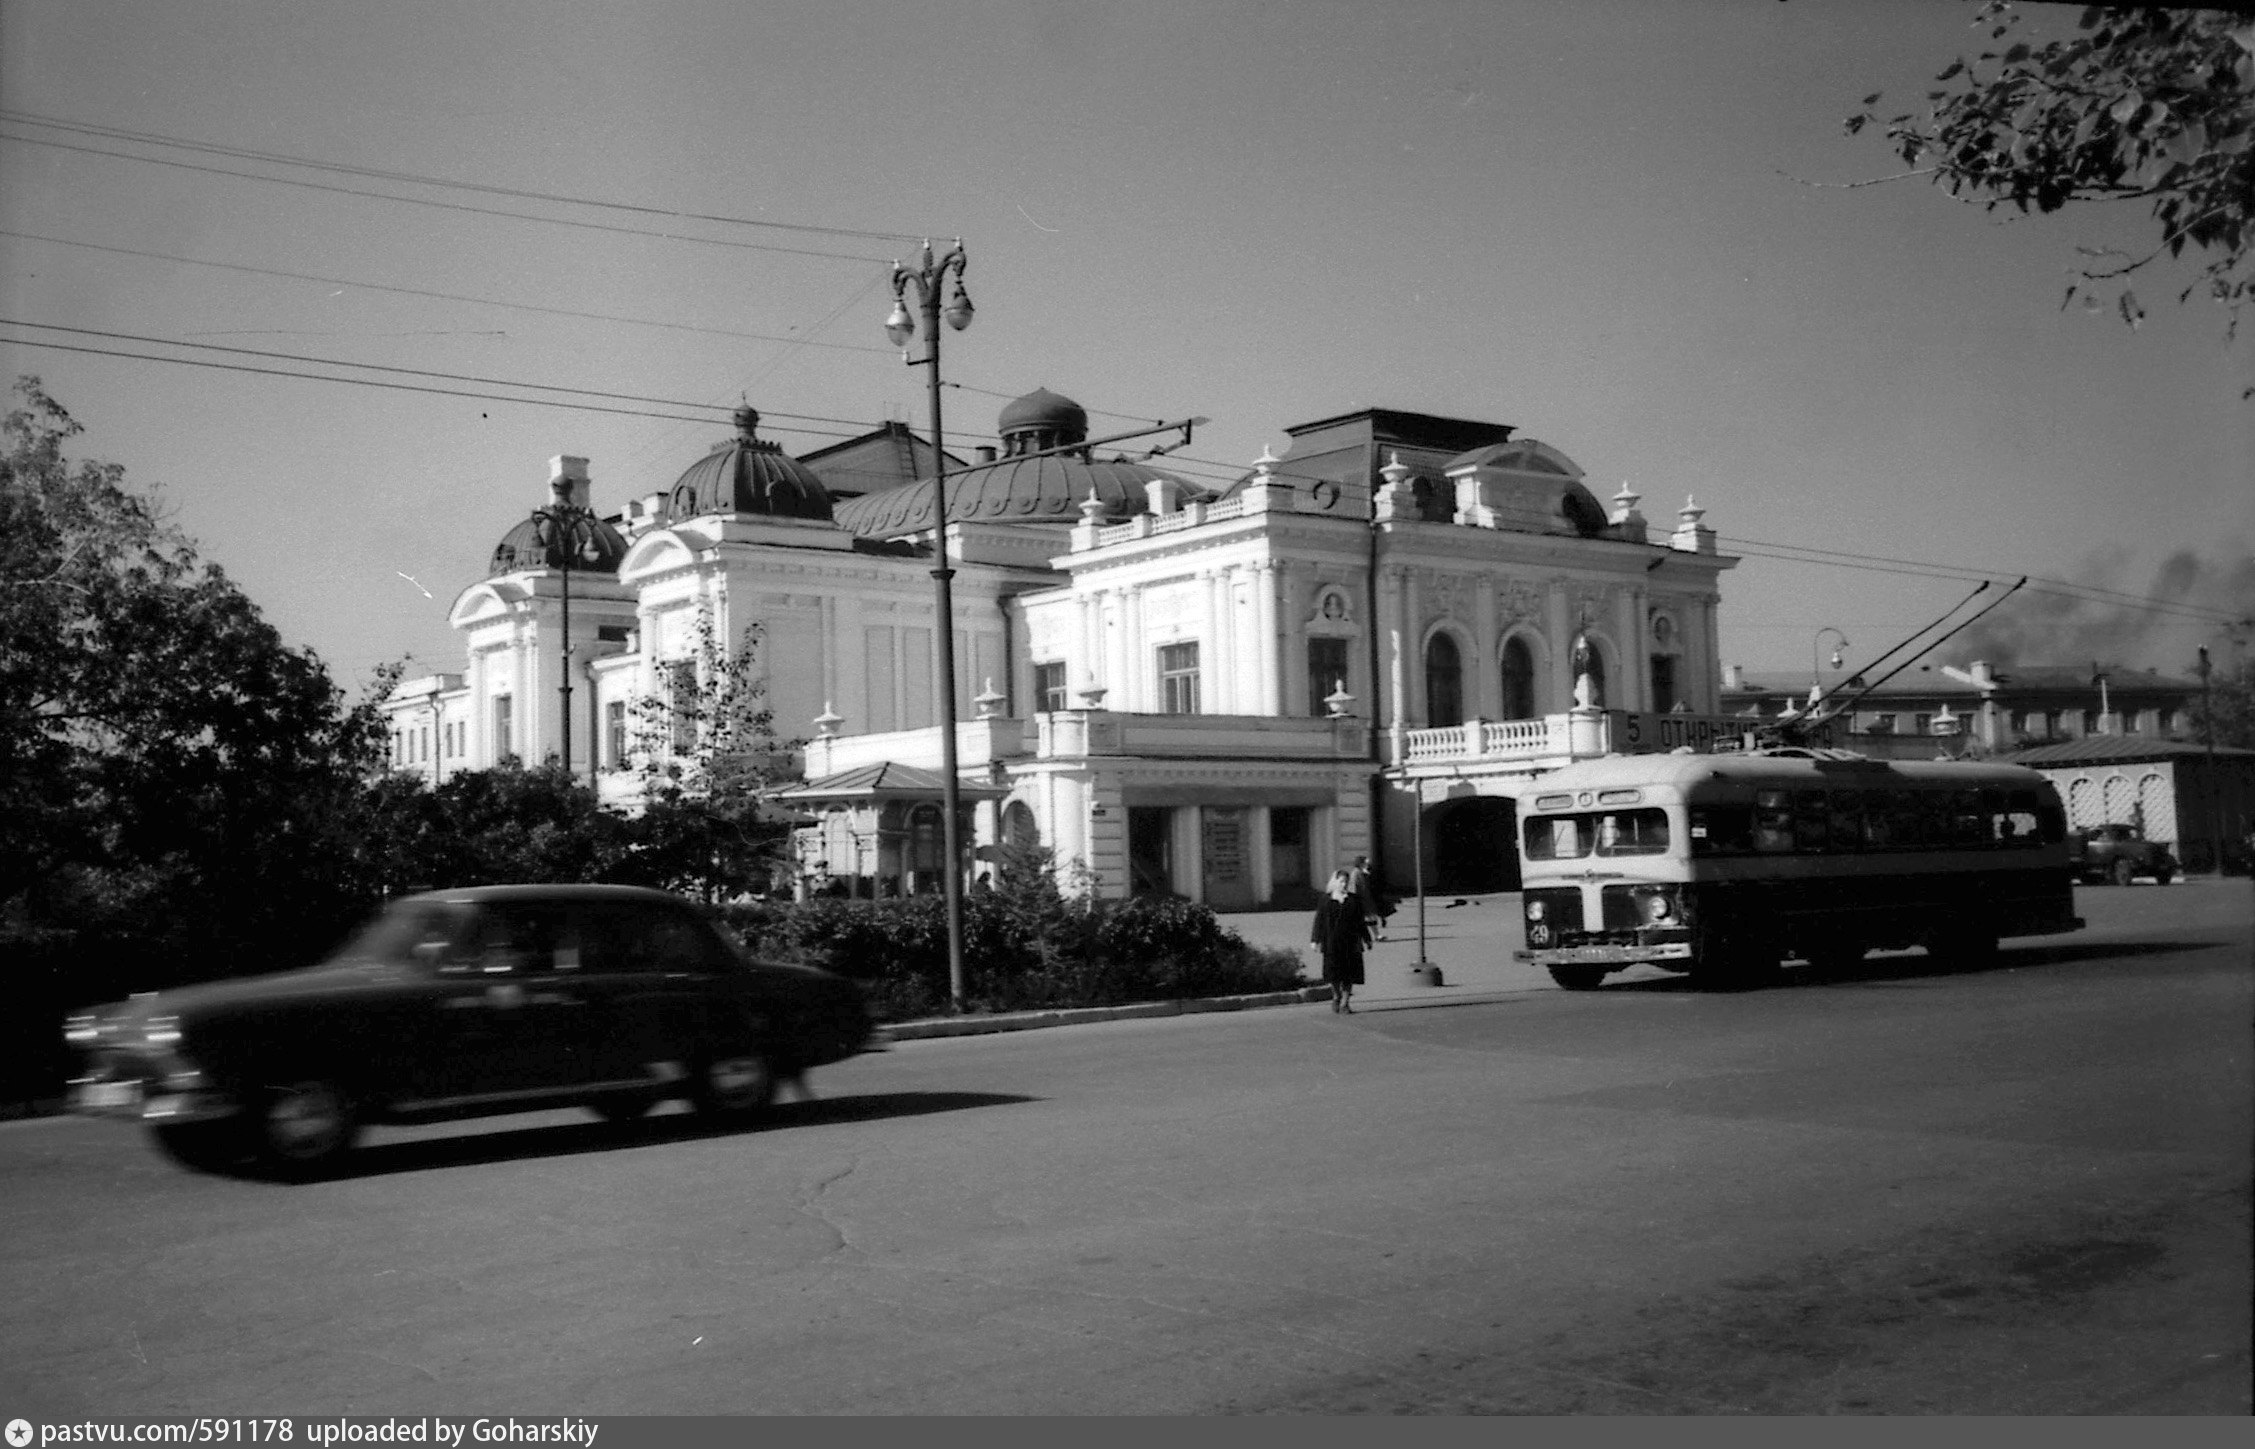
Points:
[(2021, 1190)]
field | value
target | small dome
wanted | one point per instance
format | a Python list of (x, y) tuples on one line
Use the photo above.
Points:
[(530, 546), (1018, 488), (746, 474), (1041, 411)]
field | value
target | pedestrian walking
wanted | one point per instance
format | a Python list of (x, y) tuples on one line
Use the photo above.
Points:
[(1375, 909), (1341, 931)]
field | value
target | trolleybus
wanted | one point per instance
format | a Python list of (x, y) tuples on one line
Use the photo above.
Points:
[(1723, 865)]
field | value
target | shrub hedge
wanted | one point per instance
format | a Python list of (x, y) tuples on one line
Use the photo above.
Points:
[(1024, 949)]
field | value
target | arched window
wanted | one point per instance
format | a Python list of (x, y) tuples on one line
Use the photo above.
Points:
[(1594, 667), (1019, 832), (1518, 680), (1444, 683)]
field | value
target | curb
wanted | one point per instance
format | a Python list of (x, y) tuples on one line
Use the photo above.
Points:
[(1082, 1015)]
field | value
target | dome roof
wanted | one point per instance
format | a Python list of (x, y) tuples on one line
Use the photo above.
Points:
[(527, 546), (1011, 490), (1042, 411), (1017, 488), (745, 474)]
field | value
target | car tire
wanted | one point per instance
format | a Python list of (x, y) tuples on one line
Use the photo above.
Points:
[(1834, 958), (1578, 978), (304, 1126), (1968, 951), (734, 1084), (2163, 874), (623, 1109), (2124, 873), (201, 1146)]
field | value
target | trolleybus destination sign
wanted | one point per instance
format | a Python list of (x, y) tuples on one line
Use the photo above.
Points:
[(1635, 733)]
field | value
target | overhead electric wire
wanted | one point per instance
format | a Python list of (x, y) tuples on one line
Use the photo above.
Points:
[(391, 386), (245, 153), (436, 296), (453, 205), (403, 371)]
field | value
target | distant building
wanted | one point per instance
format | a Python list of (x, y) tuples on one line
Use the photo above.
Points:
[(2164, 787), (1980, 709), (1380, 639)]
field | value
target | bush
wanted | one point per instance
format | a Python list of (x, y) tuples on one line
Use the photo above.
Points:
[(1026, 946)]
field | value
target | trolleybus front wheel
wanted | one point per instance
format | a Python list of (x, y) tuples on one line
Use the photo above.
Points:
[(1578, 978)]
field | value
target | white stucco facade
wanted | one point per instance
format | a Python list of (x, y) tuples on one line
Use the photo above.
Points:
[(1219, 695)]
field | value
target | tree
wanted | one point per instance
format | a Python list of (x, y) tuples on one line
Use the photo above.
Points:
[(708, 758), (169, 768), (2149, 105)]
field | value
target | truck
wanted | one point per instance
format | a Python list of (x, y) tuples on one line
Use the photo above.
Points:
[(2118, 853)]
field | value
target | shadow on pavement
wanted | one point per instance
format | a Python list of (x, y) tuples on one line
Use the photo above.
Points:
[(563, 1139), (1916, 965)]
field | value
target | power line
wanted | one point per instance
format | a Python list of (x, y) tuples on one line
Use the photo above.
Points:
[(243, 153), (394, 386), (438, 296), (403, 371), (451, 205)]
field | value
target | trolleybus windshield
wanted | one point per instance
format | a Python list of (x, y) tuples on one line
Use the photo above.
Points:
[(1606, 832)]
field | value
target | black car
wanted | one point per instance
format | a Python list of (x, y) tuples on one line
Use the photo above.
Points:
[(466, 1003)]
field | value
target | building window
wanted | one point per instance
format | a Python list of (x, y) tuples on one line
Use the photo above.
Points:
[(2090, 721), (1518, 680), (1049, 687), (1327, 672), (1444, 683), (1882, 724), (681, 704), (1178, 678), (614, 733), (504, 729)]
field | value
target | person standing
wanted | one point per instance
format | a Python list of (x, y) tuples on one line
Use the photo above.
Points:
[(1374, 910), (1341, 931)]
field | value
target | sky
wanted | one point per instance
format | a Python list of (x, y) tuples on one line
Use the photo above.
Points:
[(1627, 227)]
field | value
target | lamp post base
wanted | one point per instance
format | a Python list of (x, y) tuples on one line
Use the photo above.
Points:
[(1425, 973)]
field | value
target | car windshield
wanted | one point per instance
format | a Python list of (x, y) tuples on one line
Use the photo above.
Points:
[(408, 932)]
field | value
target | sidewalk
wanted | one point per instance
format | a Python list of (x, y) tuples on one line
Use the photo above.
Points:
[(1470, 938)]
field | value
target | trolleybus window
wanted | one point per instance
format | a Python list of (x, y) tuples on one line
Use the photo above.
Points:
[(1839, 820), (1611, 832)]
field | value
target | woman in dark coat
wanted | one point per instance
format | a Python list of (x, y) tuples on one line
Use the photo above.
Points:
[(1341, 931)]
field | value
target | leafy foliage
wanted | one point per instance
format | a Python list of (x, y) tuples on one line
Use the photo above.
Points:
[(164, 756), (2148, 105), (708, 752)]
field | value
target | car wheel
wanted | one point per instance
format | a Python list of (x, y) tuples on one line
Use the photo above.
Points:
[(1835, 957), (2162, 875), (1971, 951), (2124, 872), (734, 1084), (623, 1109), (305, 1125), (201, 1146), (1578, 978)]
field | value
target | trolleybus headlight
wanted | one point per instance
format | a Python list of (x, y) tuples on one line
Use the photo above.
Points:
[(1534, 910), (1659, 908)]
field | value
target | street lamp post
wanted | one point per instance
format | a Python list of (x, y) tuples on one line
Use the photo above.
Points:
[(1816, 640), (926, 277), (567, 534)]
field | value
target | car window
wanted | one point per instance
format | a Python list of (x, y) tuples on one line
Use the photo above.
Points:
[(511, 938), (638, 939)]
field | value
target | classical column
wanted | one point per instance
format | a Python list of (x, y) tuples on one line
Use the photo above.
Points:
[(1561, 623), (1486, 701), (1268, 580), (1415, 706), (1390, 626), (1636, 690), (1219, 697)]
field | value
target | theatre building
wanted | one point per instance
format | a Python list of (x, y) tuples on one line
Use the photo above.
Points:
[(1371, 644)]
